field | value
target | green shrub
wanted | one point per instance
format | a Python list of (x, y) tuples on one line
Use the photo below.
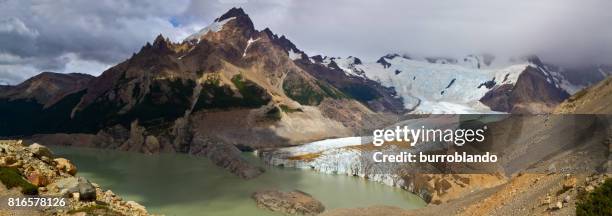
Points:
[(597, 202), (274, 114), (214, 95), (361, 92), (94, 210), (287, 109), (166, 101), (309, 93), (331, 91), (252, 94), (11, 178)]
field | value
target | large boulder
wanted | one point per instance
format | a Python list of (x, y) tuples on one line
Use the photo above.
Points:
[(68, 186), (65, 165), (292, 203), (40, 150), (152, 145)]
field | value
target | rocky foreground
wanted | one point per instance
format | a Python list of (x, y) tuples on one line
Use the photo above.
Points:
[(34, 170)]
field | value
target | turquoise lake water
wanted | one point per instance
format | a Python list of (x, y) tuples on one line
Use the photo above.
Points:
[(179, 184)]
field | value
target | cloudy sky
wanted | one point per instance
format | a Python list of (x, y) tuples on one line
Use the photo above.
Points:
[(90, 36)]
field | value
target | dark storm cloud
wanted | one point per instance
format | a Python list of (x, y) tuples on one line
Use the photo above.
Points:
[(89, 36), (66, 35)]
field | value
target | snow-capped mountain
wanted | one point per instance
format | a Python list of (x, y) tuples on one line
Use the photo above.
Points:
[(447, 85), (472, 84)]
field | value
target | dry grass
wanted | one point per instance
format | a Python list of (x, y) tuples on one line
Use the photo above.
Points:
[(305, 157)]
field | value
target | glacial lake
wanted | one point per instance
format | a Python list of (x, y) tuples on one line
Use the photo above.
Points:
[(179, 184)]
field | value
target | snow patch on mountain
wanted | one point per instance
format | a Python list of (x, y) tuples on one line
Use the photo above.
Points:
[(560, 81), (213, 27), (294, 55), (348, 65), (249, 42)]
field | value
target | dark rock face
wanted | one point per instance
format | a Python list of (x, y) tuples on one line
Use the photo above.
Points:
[(317, 58), (290, 203), (383, 62), (224, 155), (532, 93), (488, 84), (368, 92), (356, 60), (498, 99)]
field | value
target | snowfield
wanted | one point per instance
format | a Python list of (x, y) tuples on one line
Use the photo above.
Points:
[(213, 27), (442, 85)]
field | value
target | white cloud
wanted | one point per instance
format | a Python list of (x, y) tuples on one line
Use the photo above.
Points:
[(7, 59), (77, 65), (14, 74), (15, 25)]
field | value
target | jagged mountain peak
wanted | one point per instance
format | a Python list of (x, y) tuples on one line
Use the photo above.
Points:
[(161, 42), (270, 34), (243, 20), (233, 12), (235, 19), (534, 59), (160, 39)]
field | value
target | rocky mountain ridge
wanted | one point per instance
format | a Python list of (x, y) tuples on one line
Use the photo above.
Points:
[(229, 85)]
